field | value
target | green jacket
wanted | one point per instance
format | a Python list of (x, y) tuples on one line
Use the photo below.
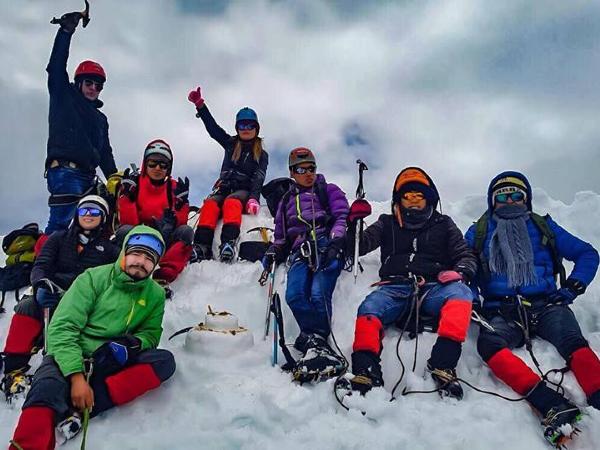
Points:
[(102, 304)]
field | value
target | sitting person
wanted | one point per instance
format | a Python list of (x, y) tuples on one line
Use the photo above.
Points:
[(155, 199), (311, 225), (101, 349), (66, 254), (422, 253), (520, 256), (238, 188)]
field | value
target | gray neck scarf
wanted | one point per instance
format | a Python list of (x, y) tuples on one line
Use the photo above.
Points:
[(511, 252)]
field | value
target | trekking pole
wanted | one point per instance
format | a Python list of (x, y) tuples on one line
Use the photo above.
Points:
[(360, 194), (270, 275), (276, 312), (86, 411)]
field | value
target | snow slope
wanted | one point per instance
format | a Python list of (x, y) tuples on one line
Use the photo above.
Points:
[(234, 399)]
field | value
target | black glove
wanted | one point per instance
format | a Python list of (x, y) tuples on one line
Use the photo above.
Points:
[(166, 225), (182, 192), (567, 293), (274, 255), (113, 355), (69, 21), (335, 249), (129, 185)]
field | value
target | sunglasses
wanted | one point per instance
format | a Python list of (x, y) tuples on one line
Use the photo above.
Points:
[(413, 196), (250, 125), (514, 196), (97, 84), (304, 170), (152, 164), (93, 212)]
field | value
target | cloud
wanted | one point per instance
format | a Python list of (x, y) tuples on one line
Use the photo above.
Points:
[(464, 89)]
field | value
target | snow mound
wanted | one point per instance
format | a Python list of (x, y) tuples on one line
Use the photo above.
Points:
[(232, 398)]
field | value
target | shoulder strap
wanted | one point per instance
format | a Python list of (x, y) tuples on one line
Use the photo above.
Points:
[(549, 241), (480, 234)]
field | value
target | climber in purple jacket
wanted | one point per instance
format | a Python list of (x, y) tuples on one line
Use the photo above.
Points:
[(310, 228)]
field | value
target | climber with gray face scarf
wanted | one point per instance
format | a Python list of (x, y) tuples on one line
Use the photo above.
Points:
[(520, 257)]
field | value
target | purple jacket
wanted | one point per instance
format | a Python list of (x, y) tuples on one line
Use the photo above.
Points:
[(295, 229)]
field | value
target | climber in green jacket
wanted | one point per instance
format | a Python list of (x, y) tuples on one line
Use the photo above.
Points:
[(102, 344)]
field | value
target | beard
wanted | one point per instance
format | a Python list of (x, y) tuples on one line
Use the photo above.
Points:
[(137, 272)]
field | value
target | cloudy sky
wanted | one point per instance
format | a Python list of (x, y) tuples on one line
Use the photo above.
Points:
[(463, 88)]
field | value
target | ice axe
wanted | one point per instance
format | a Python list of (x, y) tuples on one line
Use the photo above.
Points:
[(360, 197), (84, 15), (263, 232)]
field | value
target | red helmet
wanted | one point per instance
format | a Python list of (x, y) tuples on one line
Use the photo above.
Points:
[(90, 68)]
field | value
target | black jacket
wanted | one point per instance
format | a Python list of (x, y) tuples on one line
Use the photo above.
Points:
[(438, 245), (60, 262), (247, 173), (78, 131)]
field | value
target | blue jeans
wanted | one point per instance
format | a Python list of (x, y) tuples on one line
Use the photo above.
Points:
[(389, 303), (309, 293), (66, 187)]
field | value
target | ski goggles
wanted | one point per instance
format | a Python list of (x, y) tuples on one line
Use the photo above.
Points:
[(413, 196), (246, 125), (98, 85), (88, 211), (304, 170), (514, 196), (151, 163)]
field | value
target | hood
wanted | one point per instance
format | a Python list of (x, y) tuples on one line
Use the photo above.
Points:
[(509, 174)]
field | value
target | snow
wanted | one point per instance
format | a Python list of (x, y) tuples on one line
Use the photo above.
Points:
[(235, 399)]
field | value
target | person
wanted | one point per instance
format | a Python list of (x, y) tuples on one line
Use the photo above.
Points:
[(519, 256), (424, 259), (310, 227), (238, 188), (67, 254), (155, 199), (101, 345), (78, 139)]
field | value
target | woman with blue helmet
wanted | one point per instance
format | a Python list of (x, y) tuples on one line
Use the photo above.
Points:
[(238, 188)]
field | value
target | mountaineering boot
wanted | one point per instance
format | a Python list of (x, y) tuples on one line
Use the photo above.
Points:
[(201, 252), (227, 251), (68, 428), (319, 362), (559, 414), (366, 368), (559, 423), (15, 383), (202, 247), (446, 382)]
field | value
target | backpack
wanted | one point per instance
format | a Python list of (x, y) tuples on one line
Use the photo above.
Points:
[(548, 240), (18, 246)]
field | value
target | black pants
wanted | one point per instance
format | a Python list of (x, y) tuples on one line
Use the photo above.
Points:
[(51, 389)]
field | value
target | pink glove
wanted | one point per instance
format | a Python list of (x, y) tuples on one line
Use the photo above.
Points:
[(196, 98), (359, 209), (252, 207), (449, 276)]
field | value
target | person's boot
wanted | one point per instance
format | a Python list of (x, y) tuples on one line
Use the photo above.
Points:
[(559, 415), (68, 428), (229, 237), (441, 365), (14, 384), (319, 361), (594, 400), (202, 245), (366, 368), (446, 382)]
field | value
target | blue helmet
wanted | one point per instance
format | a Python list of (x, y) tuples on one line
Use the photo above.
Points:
[(246, 114), (146, 243)]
